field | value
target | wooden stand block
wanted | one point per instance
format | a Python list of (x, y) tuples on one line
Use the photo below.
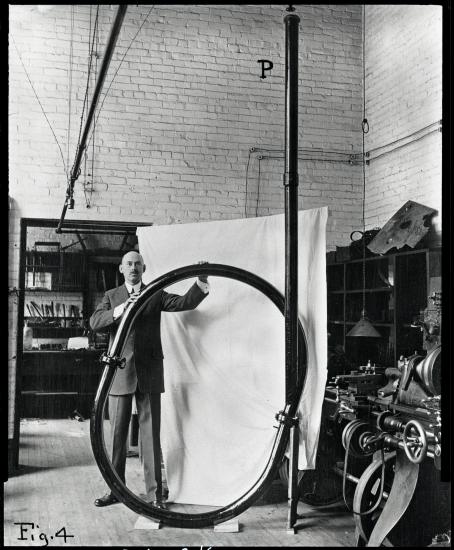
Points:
[(231, 526), (146, 523)]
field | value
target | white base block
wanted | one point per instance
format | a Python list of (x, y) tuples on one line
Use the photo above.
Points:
[(146, 523), (231, 526)]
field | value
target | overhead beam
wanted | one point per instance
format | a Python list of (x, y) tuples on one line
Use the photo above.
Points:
[(114, 32)]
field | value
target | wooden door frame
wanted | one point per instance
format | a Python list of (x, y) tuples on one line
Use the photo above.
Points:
[(82, 226)]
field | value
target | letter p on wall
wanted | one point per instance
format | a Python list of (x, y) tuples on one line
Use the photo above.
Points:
[(267, 65)]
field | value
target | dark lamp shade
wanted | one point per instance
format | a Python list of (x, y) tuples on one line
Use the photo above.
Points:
[(364, 328)]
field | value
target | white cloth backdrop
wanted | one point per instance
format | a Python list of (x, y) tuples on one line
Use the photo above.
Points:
[(224, 362)]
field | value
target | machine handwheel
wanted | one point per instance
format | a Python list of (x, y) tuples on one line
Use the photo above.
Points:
[(415, 441)]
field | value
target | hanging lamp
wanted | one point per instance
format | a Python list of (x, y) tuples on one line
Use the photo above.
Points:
[(364, 327)]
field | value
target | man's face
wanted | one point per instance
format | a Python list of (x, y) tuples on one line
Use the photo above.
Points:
[(132, 267)]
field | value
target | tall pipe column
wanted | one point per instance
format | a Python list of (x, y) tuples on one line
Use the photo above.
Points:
[(291, 22)]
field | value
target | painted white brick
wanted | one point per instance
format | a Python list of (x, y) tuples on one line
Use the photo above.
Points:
[(403, 94), (173, 137)]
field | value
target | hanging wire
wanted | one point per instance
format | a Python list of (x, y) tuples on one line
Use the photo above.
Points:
[(364, 228), (85, 152), (118, 68), (92, 174), (247, 173), (91, 53), (87, 86), (40, 104), (70, 87), (258, 190), (85, 175)]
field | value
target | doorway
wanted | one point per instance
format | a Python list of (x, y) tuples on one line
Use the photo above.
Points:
[(63, 276)]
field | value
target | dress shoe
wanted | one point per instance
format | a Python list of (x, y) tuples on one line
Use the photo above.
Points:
[(106, 500)]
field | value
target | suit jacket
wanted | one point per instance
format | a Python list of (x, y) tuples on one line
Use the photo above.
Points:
[(143, 348)]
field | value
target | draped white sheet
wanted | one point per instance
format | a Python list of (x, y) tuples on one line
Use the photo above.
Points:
[(224, 362)]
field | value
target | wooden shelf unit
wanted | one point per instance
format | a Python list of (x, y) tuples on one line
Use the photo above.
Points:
[(63, 271), (55, 383), (397, 289)]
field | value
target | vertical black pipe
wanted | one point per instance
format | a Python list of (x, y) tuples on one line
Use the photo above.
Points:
[(291, 22), (114, 32)]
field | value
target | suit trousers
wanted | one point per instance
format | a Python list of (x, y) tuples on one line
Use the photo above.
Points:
[(149, 415)]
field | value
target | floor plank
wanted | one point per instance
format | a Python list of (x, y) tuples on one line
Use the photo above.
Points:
[(59, 480)]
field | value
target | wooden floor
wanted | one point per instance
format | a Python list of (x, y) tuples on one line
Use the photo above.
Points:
[(59, 480)]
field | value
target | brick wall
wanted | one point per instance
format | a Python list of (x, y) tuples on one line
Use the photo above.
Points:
[(403, 95), (173, 139)]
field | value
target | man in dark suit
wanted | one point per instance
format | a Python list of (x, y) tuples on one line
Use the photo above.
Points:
[(143, 374)]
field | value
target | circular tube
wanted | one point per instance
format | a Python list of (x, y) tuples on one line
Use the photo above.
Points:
[(118, 488)]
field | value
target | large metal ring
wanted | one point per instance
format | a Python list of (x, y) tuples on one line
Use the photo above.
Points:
[(294, 389)]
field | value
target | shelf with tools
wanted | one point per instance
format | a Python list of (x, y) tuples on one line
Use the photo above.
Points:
[(54, 269), (55, 319), (57, 380), (55, 294), (63, 278), (62, 290), (397, 288)]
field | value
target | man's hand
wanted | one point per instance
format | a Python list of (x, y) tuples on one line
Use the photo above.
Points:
[(203, 278)]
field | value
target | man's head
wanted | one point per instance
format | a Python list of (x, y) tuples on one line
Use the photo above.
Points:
[(132, 267)]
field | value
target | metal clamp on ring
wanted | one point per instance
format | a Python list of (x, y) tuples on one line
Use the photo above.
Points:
[(286, 419), (112, 361)]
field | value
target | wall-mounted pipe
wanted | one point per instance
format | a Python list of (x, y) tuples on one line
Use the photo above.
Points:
[(114, 32)]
